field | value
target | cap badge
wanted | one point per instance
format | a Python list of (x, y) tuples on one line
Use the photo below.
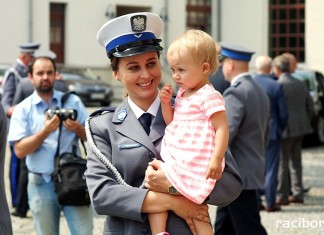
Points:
[(138, 23)]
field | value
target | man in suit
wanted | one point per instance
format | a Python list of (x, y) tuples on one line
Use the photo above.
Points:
[(5, 221), (13, 76), (247, 108), (292, 68), (292, 61), (278, 120), (300, 109)]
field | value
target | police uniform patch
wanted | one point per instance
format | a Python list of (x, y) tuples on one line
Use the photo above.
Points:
[(121, 115), (138, 23)]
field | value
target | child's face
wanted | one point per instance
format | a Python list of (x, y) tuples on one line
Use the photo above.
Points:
[(186, 71)]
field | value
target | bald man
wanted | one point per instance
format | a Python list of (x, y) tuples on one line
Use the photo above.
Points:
[(278, 120)]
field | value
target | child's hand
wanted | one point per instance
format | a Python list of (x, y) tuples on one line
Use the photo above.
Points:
[(166, 93), (214, 170)]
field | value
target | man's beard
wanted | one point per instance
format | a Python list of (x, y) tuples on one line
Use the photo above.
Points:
[(47, 89)]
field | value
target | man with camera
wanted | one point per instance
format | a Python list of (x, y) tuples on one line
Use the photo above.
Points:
[(34, 131)]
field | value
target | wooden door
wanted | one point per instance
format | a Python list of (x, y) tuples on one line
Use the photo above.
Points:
[(57, 27)]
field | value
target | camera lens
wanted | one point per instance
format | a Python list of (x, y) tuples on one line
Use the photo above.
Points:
[(63, 114), (52, 112)]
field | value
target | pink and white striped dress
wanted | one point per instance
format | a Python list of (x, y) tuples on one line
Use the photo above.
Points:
[(189, 141)]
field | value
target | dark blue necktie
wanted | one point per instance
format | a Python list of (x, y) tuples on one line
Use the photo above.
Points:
[(145, 119)]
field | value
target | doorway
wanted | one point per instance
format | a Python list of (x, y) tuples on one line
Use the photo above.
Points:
[(57, 30)]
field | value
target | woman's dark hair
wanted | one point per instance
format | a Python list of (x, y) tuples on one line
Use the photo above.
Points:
[(114, 63), (31, 66)]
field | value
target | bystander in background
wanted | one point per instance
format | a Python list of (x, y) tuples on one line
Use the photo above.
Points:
[(278, 121), (247, 107), (24, 89), (300, 109), (12, 77), (34, 135), (5, 220)]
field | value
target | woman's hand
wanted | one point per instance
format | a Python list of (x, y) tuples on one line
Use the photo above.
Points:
[(155, 179), (189, 211)]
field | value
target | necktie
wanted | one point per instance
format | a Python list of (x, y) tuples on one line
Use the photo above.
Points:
[(145, 119)]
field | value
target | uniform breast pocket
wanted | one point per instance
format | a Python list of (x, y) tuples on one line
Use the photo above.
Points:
[(126, 146), (132, 149)]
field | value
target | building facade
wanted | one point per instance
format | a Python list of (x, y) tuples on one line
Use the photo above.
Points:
[(69, 27)]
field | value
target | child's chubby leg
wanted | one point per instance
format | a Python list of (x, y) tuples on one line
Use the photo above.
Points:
[(203, 228), (158, 222)]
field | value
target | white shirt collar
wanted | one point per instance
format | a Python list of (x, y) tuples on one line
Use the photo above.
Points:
[(153, 109), (19, 61), (238, 76)]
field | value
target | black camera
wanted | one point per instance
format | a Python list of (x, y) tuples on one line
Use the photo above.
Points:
[(63, 114)]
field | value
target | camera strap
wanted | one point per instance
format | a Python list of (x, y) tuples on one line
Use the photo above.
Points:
[(63, 100)]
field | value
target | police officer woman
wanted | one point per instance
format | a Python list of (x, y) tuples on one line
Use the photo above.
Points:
[(117, 140)]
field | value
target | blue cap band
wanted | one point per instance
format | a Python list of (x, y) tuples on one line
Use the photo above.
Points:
[(129, 38), (236, 55)]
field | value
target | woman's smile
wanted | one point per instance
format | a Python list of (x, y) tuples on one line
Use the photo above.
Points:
[(145, 85)]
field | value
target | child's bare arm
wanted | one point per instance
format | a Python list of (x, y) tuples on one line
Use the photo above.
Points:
[(219, 122), (167, 109)]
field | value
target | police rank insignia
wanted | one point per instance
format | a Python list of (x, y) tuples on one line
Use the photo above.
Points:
[(138, 23), (121, 115)]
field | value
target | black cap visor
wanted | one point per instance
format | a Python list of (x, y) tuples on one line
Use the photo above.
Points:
[(136, 48), (136, 51)]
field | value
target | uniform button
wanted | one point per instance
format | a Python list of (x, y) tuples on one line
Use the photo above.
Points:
[(150, 154), (145, 230)]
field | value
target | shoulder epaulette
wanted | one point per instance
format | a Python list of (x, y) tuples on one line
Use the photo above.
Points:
[(236, 84), (13, 71), (103, 111)]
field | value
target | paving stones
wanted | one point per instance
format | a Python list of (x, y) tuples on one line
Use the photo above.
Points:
[(294, 219)]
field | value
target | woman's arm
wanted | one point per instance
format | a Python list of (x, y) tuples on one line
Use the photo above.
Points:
[(227, 189), (109, 197), (157, 202)]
